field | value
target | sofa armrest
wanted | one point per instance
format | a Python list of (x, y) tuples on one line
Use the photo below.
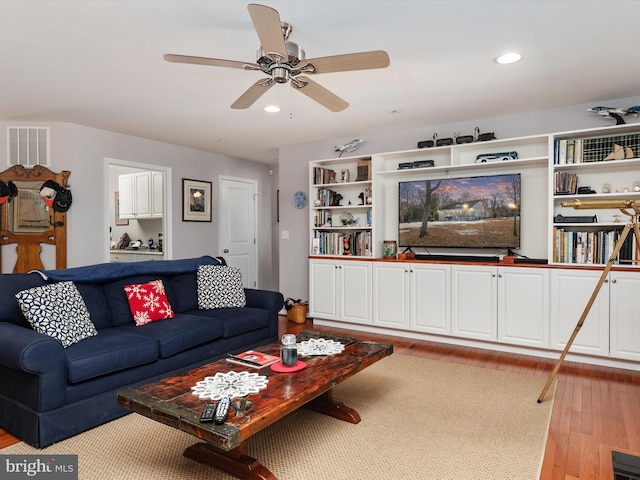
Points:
[(34, 365), (267, 299)]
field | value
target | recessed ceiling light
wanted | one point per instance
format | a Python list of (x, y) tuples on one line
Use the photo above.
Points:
[(272, 109), (508, 58)]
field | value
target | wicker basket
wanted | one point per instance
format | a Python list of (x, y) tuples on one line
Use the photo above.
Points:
[(297, 313)]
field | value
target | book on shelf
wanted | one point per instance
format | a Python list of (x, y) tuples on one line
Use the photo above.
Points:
[(253, 359)]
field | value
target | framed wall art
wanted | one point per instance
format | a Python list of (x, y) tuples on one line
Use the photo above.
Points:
[(196, 200)]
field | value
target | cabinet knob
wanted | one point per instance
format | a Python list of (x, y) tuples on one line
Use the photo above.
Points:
[(613, 280), (499, 275)]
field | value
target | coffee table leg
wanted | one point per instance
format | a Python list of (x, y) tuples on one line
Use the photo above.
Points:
[(327, 405), (233, 461)]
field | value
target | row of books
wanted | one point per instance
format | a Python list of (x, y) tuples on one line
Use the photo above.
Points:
[(328, 197), (322, 218), (581, 247), (565, 183), (596, 149), (323, 175), (337, 243)]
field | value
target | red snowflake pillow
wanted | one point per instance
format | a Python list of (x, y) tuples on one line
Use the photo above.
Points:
[(148, 302)]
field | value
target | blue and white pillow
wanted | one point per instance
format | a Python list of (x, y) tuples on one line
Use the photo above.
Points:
[(57, 310), (220, 286)]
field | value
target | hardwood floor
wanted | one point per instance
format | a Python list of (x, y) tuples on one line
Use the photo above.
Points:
[(596, 409)]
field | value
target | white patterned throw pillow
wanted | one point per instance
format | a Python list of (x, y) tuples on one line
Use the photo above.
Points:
[(57, 310), (220, 286)]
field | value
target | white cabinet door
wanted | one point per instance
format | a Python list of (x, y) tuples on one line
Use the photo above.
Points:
[(571, 292), (126, 195), (355, 291), (474, 302), (523, 306), (391, 294), (142, 194), (135, 195), (323, 291), (624, 315), (430, 298), (157, 194)]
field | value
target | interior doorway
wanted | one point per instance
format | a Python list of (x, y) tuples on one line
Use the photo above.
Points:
[(238, 226), (147, 230)]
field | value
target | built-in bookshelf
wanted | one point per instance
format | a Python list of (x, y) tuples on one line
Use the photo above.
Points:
[(593, 166), (341, 207)]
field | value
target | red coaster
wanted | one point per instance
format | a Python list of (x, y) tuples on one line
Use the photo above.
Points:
[(279, 367)]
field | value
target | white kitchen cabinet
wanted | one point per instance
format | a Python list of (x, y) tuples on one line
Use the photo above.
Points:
[(141, 195), (157, 194), (340, 290)]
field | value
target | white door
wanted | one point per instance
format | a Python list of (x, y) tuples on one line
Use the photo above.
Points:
[(238, 230)]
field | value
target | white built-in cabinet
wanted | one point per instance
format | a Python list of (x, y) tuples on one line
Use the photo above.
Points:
[(612, 326), (624, 315), (474, 302), (412, 296), (341, 290), (141, 195), (535, 307)]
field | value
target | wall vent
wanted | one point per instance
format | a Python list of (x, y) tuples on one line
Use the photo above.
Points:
[(28, 146)]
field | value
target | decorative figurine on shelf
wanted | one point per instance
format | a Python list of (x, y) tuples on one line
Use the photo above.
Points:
[(345, 175)]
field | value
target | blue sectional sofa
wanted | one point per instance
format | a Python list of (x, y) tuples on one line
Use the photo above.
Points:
[(49, 392)]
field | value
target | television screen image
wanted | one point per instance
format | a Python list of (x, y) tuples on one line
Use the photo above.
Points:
[(469, 212)]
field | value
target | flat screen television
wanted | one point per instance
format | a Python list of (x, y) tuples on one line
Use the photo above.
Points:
[(465, 212)]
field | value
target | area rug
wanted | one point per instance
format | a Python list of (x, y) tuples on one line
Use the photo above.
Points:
[(421, 419)]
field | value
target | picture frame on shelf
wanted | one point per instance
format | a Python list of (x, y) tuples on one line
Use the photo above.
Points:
[(196, 200)]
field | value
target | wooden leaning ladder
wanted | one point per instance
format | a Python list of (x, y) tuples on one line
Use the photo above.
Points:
[(629, 208)]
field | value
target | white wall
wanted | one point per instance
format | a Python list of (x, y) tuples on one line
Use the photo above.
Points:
[(293, 165), (82, 150)]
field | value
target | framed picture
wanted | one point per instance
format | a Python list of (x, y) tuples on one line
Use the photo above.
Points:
[(196, 200), (119, 221)]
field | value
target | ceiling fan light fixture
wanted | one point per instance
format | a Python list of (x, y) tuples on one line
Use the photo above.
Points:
[(280, 74), (507, 58), (272, 109)]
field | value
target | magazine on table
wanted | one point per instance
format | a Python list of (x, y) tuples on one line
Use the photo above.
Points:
[(254, 359)]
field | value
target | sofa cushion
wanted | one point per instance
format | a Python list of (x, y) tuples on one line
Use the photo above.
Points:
[(93, 297), (185, 287), (12, 283), (220, 286), (109, 352), (180, 333), (117, 298), (148, 302), (59, 311), (236, 321)]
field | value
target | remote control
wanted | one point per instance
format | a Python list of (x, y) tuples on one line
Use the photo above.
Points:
[(222, 410), (208, 412)]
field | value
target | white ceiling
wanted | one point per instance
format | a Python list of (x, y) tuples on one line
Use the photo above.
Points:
[(99, 63)]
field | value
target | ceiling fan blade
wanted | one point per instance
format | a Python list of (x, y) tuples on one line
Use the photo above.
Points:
[(253, 93), (320, 94), (213, 62), (349, 62), (266, 21)]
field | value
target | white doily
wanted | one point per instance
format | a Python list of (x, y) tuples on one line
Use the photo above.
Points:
[(319, 346), (231, 384)]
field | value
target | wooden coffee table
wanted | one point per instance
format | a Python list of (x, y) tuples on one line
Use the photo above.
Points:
[(170, 401)]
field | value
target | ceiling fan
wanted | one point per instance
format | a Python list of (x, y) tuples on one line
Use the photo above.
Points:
[(284, 61)]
